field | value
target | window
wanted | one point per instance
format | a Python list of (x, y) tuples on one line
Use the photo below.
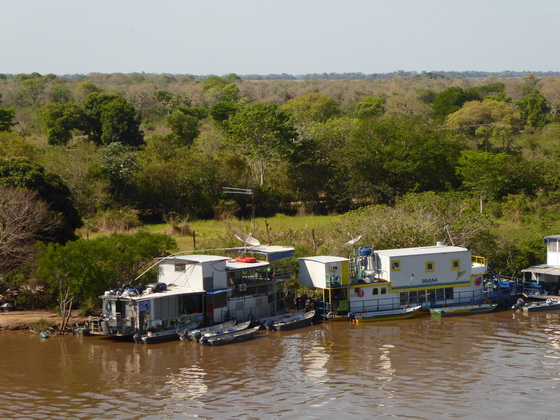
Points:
[(375, 291), (449, 293), (383, 290), (208, 283), (440, 294), (430, 266), (403, 297), (180, 267), (396, 265), (455, 264)]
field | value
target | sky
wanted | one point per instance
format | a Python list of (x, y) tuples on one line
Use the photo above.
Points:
[(272, 37)]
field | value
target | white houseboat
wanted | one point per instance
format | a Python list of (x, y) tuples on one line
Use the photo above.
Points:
[(544, 279), (245, 285), (390, 279)]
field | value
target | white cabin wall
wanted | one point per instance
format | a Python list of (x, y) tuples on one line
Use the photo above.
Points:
[(412, 272), (312, 273), (552, 252), (217, 270)]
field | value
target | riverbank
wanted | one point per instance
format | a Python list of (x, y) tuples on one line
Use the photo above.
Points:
[(21, 320)]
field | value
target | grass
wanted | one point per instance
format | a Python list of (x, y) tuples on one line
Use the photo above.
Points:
[(278, 230)]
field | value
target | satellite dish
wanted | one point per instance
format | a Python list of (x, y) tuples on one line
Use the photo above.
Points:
[(248, 239), (353, 241)]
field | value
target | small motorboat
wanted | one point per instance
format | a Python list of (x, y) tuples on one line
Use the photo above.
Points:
[(230, 337), (547, 305), (385, 315), (282, 317), (193, 334), (291, 323), (463, 310), (170, 334), (198, 335)]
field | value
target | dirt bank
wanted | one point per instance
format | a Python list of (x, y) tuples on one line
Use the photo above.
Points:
[(20, 320)]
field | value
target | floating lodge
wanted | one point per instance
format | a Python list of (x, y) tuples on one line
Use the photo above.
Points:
[(208, 287), (430, 276)]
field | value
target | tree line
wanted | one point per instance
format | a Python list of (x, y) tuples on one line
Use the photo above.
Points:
[(108, 151)]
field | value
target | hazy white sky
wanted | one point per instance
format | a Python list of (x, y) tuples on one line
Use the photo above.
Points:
[(284, 36)]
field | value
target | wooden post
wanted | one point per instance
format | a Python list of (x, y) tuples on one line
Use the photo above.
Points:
[(313, 241), (268, 232), (194, 239)]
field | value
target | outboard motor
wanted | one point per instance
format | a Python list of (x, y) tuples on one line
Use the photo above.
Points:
[(520, 304), (197, 336)]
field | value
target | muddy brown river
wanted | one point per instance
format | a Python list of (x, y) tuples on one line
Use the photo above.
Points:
[(503, 365)]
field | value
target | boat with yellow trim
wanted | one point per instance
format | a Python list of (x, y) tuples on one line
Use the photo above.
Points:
[(384, 280)]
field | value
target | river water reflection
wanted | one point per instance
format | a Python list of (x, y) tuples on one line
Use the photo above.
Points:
[(502, 365)]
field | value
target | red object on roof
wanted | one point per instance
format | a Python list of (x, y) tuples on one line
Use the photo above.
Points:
[(246, 259)]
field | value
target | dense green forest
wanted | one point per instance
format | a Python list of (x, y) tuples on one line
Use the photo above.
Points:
[(407, 159)]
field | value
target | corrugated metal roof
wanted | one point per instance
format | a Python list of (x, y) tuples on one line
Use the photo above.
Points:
[(553, 270), (423, 250), (195, 258), (324, 259)]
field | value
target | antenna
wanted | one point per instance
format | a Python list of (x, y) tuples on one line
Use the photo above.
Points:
[(446, 227), (353, 241), (247, 239), (244, 191)]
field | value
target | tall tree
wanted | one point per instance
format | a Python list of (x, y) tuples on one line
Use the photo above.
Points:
[(311, 107), (493, 121), (59, 119), (494, 175), (534, 109), (24, 219), (120, 165), (21, 173), (185, 127), (263, 134), (370, 106), (451, 100), (7, 119), (110, 119)]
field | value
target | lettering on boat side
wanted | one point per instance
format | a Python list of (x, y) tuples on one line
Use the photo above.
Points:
[(429, 280)]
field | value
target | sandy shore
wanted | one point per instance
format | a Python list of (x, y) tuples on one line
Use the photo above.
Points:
[(20, 320)]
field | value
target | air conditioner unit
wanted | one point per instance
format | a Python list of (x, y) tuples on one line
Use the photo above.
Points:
[(242, 287)]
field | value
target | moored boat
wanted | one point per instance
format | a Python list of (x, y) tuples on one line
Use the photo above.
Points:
[(220, 331), (187, 323), (291, 323), (463, 310), (230, 337), (385, 315), (547, 305), (244, 283), (388, 280), (193, 334), (282, 316)]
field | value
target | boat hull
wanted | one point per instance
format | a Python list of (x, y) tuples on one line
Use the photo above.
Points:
[(463, 310), (230, 338), (388, 315), (552, 305), (292, 323)]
